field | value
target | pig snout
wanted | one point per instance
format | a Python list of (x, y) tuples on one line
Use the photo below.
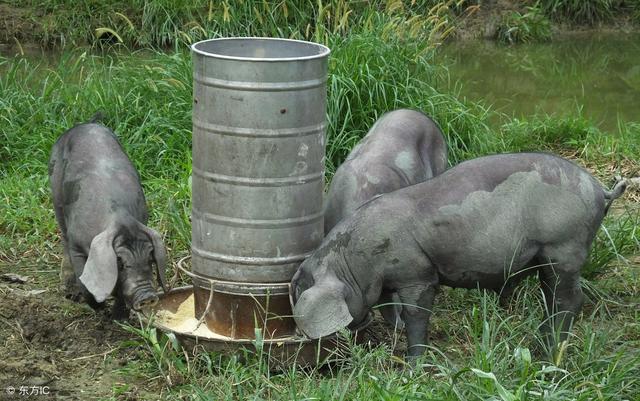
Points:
[(144, 298)]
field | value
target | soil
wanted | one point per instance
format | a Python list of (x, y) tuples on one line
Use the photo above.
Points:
[(72, 352), (16, 24), (54, 345)]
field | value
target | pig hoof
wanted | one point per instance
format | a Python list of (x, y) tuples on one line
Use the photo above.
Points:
[(150, 303), (68, 286)]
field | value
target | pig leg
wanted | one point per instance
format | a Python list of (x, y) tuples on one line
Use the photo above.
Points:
[(505, 293), (78, 291), (76, 262), (560, 282), (67, 276), (391, 309), (416, 311)]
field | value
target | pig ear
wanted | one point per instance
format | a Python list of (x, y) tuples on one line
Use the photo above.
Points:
[(159, 254), (321, 310), (100, 272)]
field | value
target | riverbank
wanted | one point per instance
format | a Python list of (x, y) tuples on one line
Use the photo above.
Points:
[(165, 24), (490, 17)]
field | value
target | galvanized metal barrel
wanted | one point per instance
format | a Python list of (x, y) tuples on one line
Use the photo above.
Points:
[(258, 159)]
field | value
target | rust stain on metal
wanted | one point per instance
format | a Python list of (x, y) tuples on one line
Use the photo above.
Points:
[(272, 314)]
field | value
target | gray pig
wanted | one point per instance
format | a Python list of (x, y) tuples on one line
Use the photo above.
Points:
[(486, 223), (101, 211), (404, 147)]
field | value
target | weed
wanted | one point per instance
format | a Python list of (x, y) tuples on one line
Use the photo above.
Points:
[(634, 5), (164, 24), (532, 26), (492, 355), (579, 11), (617, 237)]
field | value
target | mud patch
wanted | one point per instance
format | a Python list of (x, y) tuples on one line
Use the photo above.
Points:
[(46, 340)]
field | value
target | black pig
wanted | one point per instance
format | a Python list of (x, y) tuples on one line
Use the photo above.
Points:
[(101, 211)]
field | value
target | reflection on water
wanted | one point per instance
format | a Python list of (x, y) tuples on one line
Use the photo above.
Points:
[(32, 52), (600, 74)]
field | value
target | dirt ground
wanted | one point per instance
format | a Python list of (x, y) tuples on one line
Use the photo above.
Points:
[(54, 345), (49, 344), (15, 23)]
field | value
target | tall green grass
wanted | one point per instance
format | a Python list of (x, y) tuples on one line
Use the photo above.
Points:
[(147, 101), (532, 26), (580, 11), (146, 98), (165, 23)]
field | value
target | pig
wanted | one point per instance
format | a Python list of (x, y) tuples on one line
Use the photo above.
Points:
[(485, 223), (404, 147), (102, 214)]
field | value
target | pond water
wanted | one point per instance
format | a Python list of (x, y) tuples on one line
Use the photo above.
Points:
[(599, 74)]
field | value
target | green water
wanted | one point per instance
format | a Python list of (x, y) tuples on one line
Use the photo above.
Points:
[(597, 74)]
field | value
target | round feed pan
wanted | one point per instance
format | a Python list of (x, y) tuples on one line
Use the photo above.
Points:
[(175, 313), (233, 309)]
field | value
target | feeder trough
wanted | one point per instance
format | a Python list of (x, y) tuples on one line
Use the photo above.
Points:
[(259, 107), (174, 314)]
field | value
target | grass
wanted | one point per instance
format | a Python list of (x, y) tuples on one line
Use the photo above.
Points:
[(490, 355), (167, 23), (146, 98), (532, 26), (480, 351), (580, 11)]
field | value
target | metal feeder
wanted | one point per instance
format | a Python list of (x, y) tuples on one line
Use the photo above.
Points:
[(168, 316), (259, 109)]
